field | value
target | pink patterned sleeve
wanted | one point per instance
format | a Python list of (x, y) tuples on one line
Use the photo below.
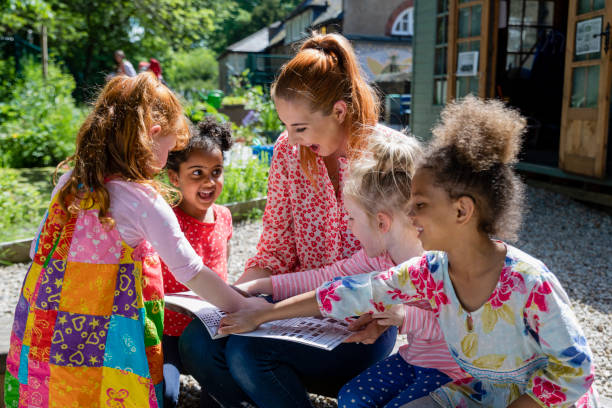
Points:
[(290, 284), (276, 249)]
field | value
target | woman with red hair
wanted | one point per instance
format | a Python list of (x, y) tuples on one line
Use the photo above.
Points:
[(329, 111)]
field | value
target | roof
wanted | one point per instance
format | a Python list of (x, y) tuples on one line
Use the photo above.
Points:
[(256, 42), (333, 12), (308, 4)]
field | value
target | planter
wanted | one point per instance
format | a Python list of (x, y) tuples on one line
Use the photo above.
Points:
[(235, 113), (19, 251)]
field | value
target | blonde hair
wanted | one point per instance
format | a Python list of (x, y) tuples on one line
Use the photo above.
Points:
[(381, 179), (114, 140), (325, 71)]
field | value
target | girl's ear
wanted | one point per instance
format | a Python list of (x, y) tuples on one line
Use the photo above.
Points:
[(339, 111), (173, 177), (465, 208), (383, 222), (154, 131)]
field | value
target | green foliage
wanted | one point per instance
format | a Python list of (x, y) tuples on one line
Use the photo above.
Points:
[(24, 197), (39, 120), (188, 72), (245, 181)]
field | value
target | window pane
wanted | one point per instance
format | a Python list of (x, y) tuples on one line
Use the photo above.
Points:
[(442, 6), (514, 39), (476, 17), (512, 61), (439, 91), (440, 61), (578, 95), (531, 13), (584, 6), (441, 31), (473, 85), (599, 4), (530, 37), (516, 12), (592, 88), (462, 86), (547, 13), (464, 22)]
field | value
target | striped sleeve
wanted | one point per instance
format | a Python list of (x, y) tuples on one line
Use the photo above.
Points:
[(290, 284)]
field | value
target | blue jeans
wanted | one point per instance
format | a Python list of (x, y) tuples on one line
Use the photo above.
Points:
[(390, 383), (273, 373)]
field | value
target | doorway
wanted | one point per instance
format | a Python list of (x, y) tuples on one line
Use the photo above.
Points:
[(532, 37)]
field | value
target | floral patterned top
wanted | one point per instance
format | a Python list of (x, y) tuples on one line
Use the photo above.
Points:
[(304, 227), (524, 339)]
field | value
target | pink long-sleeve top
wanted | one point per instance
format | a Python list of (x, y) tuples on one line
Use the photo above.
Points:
[(304, 226), (426, 345)]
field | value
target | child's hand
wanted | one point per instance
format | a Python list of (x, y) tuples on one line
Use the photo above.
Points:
[(255, 303), (261, 286), (240, 322), (367, 330), (394, 316)]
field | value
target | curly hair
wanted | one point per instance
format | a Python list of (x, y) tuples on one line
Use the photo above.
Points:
[(381, 179), (207, 135), (475, 144), (114, 141)]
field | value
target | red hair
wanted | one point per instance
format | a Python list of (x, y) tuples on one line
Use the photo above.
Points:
[(325, 71)]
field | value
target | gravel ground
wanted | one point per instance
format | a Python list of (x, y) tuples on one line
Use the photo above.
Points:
[(572, 239)]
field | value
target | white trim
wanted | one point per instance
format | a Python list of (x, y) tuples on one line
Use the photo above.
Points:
[(404, 23)]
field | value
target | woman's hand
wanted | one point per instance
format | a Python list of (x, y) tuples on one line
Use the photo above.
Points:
[(261, 286), (243, 321), (394, 316), (252, 274)]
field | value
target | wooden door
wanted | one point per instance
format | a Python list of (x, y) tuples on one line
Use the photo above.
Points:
[(469, 29), (586, 92)]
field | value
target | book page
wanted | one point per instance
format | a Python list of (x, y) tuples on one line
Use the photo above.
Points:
[(321, 332)]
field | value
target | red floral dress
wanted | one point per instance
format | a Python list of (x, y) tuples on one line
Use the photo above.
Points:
[(210, 242), (304, 226)]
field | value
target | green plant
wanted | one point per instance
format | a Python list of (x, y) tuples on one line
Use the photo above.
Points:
[(191, 72), (24, 197), (39, 120), (245, 181)]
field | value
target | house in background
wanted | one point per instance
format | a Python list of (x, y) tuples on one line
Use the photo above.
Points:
[(552, 60), (380, 31)]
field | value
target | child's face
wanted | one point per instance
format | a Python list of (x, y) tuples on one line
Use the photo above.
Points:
[(322, 134), (364, 228), (432, 212), (200, 179)]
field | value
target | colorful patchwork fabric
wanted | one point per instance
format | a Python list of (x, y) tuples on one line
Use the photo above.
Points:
[(524, 340), (89, 321)]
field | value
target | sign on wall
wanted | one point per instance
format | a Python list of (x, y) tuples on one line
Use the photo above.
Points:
[(467, 63), (377, 59), (587, 36)]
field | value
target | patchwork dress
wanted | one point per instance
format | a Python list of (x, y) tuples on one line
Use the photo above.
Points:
[(89, 320), (524, 340)]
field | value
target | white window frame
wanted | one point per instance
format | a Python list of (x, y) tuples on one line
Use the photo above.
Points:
[(404, 23)]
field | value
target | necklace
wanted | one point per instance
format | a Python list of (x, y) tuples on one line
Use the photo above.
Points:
[(469, 323)]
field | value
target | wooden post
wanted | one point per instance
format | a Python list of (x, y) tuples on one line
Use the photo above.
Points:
[(45, 55)]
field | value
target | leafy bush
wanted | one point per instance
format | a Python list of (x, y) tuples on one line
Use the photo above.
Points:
[(24, 197), (245, 181), (39, 120), (188, 72)]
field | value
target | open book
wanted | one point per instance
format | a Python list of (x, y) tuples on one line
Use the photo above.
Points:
[(321, 332)]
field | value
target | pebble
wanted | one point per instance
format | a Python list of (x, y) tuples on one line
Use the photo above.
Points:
[(574, 240)]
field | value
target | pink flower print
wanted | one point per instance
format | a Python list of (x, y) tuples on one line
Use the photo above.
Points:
[(422, 279), (385, 275), (509, 281), (327, 295), (378, 306), (547, 392), (397, 294), (439, 296), (538, 296)]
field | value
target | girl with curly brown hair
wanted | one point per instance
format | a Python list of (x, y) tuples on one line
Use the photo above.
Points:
[(88, 323)]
